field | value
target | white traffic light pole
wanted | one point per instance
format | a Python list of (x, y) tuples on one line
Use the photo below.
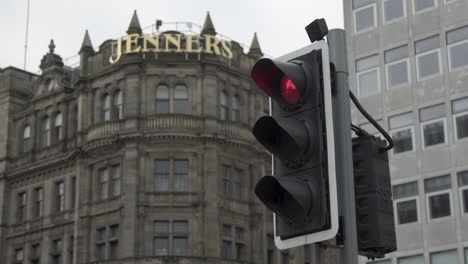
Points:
[(343, 151)]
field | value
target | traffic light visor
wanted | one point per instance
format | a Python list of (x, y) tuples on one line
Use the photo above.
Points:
[(285, 80)]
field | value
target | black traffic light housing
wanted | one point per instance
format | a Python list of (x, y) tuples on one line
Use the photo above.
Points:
[(296, 136)]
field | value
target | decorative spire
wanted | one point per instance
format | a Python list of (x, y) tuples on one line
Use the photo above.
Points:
[(134, 27), (51, 46), (208, 27), (51, 60), (86, 45), (255, 49)]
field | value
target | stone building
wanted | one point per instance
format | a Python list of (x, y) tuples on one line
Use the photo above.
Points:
[(408, 63), (147, 160)]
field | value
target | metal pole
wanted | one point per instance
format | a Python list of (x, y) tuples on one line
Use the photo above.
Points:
[(344, 169), (26, 39)]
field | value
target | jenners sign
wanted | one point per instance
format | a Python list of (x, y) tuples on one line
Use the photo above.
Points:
[(171, 42)]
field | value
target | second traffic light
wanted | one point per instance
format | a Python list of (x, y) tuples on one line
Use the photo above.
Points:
[(296, 135)]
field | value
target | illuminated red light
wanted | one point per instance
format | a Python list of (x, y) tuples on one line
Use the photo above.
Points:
[(289, 91)]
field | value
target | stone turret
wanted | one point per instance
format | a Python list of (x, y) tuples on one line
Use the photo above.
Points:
[(134, 27), (208, 27), (85, 52), (255, 49)]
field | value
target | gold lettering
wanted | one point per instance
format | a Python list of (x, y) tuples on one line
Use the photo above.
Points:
[(153, 41), (132, 39), (227, 52), (173, 39), (193, 39), (211, 42), (118, 52)]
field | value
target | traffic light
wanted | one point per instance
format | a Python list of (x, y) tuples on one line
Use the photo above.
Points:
[(299, 134)]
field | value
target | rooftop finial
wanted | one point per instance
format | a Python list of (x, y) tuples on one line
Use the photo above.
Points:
[(208, 27), (86, 45), (255, 49), (134, 27), (51, 46)]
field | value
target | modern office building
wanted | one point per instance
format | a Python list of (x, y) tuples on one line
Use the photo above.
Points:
[(142, 153), (408, 63)]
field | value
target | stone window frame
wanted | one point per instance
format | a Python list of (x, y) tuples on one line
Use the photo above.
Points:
[(171, 174), (171, 235), (233, 240), (59, 199), (117, 104), (171, 97), (105, 109), (34, 203), (106, 164), (25, 144), (232, 114), (45, 131), (15, 258), (108, 241), (35, 252), (58, 132), (56, 253), (21, 208)]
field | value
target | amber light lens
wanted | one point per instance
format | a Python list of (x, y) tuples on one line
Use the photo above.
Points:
[(289, 91)]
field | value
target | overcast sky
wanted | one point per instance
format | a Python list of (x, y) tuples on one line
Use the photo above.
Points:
[(278, 23)]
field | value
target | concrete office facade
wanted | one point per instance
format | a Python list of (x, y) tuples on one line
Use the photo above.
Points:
[(408, 65)]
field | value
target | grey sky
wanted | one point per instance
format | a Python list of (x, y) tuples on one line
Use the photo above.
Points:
[(278, 23)]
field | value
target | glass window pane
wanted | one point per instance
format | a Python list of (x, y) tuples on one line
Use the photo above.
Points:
[(411, 260), (427, 44), (226, 250), (162, 106), (405, 190), (445, 257), (239, 233), (359, 3), (464, 197), (439, 205), (162, 92), (462, 126), (161, 246), (180, 246), (397, 74), (437, 184), (27, 132), (161, 227), (180, 227), (396, 53), (180, 175), (367, 63), (428, 64), (180, 92), (227, 231), (459, 55), (368, 83), (223, 98), (58, 119), (463, 178), (393, 9), (401, 120), (423, 4), (432, 112), (365, 18), (106, 100), (457, 35), (407, 212), (402, 140), (161, 168), (434, 133), (460, 105), (181, 106)]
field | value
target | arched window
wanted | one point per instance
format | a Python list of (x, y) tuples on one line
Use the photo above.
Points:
[(180, 99), (118, 105), (235, 108), (45, 132), (162, 99), (26, 143), (106, 108), (223, 107), (50, 85), (58, 126)]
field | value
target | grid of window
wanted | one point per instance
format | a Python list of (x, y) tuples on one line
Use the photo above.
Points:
[(233, 242), (421, 5), (107, 242), (463, 185), (59, 196), (21, 201), (406, 202), (397, 67), (457, 45), (444, 257), (368, 76), (232, 182), (402, 132), (38, 202), (364, 15), (460, 118), (393, 10), (428, 57), (433, 125), (171, 175), (418, 259), (438, 196), (170, 238), (109, 182)]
